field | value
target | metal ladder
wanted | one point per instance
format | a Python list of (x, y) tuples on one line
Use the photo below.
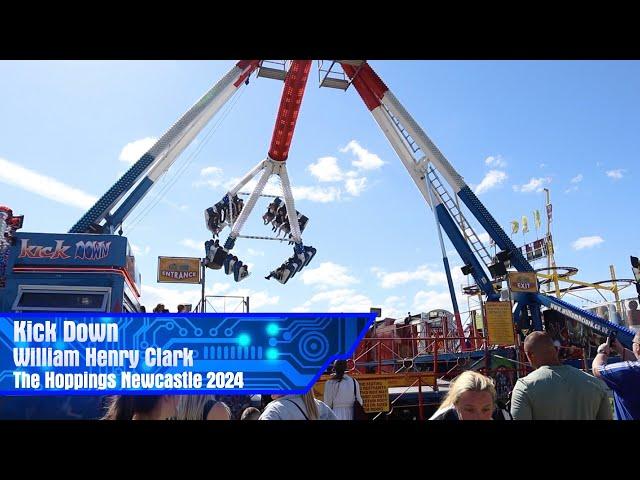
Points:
[(411, 143), (468, 232)]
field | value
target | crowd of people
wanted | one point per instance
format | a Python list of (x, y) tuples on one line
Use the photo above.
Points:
[(211, 407), (552, 391)]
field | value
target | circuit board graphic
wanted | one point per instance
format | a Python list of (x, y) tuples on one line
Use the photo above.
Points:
[(277, 352)]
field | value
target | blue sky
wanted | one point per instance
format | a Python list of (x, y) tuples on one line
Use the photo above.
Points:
[(510, 128)]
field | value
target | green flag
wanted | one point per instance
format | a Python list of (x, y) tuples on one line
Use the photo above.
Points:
[(536, 218)]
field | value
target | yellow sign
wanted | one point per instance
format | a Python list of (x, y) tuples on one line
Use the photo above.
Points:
[(500, 323), (375, 395), (374, 388), (178, 270), (523, 282)]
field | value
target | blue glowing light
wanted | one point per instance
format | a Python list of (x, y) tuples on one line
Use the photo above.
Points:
[(244, 340), (272, 353), (273, 329)]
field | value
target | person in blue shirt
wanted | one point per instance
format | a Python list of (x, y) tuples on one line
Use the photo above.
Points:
[(622, 377)]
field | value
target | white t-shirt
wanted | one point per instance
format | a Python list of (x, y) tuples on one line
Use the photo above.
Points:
[(339, 396), (283, 408)]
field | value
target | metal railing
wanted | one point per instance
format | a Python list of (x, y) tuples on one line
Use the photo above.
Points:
[(387, 356)]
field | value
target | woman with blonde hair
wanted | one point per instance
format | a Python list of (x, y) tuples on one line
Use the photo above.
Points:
[(471, 396), (202, 407), (297, 407)]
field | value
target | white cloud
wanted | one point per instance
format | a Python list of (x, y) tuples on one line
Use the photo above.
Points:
[(316, 194), (534, 185), (255, 253), (587, 242), (169, 297), (351, 303), (212, 177), (207, 171), (366, 160), (394, 307), (172, 296), (271, 188), (492, 179), (301, 309), (257, 300), (326, 169), (218, 288), (577, 179), (137, 250), (349, 300), (340, 300), (423, 272), (355, 186), (615, 174), (313, 194), (575, 188), (496, 161), (132, 151), (192, 244), (427, 300), (543, 165), (485, 238), (48, 187), (328, 274), (182, 208)]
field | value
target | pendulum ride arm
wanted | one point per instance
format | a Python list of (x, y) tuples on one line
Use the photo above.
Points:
[(374, 105), (162, 155), (380, 93), (380, 100), (285, 124), (275, 164)]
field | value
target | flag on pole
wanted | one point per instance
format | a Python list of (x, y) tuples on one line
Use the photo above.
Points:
[(536, 218), (514, 226), (525, 224), (549, 211)]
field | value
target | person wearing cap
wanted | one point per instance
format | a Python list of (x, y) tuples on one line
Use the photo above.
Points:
[(621, 377)]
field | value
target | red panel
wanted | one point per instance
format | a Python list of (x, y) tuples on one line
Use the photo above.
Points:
[(251, 65), (290, 104), (367, 96), (373, 81)]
